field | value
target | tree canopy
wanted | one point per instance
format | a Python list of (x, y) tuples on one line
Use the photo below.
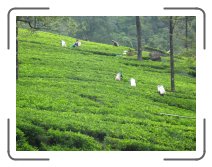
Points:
[(103, 29)]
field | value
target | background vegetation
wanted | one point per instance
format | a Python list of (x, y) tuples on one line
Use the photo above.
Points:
[(155, 30)]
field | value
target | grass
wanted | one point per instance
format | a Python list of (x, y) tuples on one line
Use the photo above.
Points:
[(68, 99)]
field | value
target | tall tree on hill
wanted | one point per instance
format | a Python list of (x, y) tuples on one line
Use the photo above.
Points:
[(138, 28), (186, 32), (171, 28), (17, 48)]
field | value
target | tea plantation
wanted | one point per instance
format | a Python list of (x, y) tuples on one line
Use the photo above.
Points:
[(68, 99)]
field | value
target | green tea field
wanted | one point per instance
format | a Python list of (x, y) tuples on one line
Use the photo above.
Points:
[(67, 98)]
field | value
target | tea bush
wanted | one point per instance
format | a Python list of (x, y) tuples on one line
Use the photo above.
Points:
[(68, 99)]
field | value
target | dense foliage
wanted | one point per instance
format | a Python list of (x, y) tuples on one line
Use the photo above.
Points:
[(67, 98), (155, 30)]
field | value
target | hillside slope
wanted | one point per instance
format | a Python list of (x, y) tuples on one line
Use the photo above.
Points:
[(68, 99)]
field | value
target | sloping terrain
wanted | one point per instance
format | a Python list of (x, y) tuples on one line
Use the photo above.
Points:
[(68, 99)]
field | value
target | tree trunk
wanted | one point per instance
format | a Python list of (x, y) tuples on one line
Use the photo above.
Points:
[(186, 32), (35, 21), (138, 28), (171, 53), (17, 48)]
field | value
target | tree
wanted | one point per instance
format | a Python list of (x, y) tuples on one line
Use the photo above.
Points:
[(171, 28), (138, 28), (17, 48), (186, 32)]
